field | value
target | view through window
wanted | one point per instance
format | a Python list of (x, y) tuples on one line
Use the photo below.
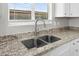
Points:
[(22, 11), (41, 11)]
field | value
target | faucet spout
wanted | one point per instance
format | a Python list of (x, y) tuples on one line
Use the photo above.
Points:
[(36, 25), (36, 31)]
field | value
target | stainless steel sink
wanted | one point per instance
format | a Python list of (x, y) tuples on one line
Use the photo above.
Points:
[(41, 41)]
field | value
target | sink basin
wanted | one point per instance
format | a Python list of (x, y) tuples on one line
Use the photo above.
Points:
[(49, 39), (53, 39), (30, 43), (41, 41)]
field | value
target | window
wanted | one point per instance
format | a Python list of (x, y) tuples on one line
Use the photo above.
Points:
[(20, 11), (23, 11), (41, 11)]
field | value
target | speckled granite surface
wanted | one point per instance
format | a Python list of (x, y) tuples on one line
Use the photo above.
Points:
[(12, 46)]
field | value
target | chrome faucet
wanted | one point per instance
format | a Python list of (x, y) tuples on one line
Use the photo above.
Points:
[(36, 30)]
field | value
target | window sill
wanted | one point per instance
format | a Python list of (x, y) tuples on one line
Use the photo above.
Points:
[(27, 23), (20, 24)]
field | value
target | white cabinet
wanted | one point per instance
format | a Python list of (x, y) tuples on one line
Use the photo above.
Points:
[(74, 10), (61, 10), (67, 10)]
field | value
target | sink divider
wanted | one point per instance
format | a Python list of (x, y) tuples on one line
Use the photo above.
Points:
[(44, 41), (35, 42)]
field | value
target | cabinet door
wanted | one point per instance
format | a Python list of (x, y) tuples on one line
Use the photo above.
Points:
[(74, 10), (67, 9), (60, 10)]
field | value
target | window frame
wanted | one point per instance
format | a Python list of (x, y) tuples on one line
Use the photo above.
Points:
[(33, 15)]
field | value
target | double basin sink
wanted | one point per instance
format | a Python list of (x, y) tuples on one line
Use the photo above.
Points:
[(40, 41)]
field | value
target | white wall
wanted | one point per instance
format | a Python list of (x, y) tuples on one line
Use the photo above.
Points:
[(60, 22), (74, 22), (3, 18), (25, 28), (4, 28)]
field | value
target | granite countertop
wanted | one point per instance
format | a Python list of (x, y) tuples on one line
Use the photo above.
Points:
[(14, 47)]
